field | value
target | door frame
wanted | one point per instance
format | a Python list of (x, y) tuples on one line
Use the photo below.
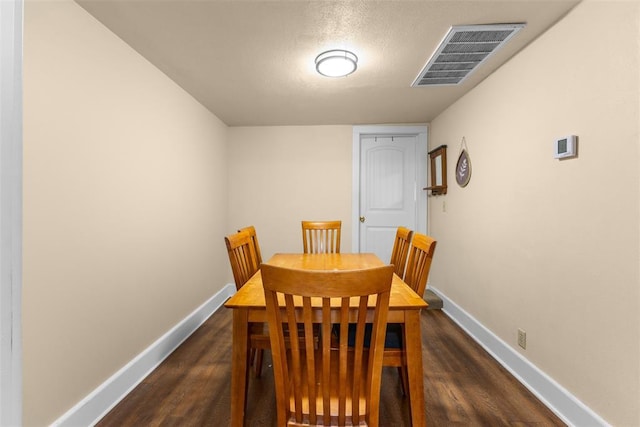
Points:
[(419, 131), (11, 103)]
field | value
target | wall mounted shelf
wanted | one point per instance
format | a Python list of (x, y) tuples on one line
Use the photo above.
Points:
[(438, 171)]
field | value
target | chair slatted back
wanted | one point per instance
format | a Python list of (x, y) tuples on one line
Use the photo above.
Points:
[(320, 237), (401, 250), (419, 263), (242, 257), (251, 230), (334, 384)]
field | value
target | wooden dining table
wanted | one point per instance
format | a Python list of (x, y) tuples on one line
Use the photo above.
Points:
[(249, 306)]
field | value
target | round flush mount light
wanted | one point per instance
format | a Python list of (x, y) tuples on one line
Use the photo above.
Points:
[(336, 63)]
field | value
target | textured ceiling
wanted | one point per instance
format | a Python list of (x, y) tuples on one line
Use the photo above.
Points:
[(252, 62)]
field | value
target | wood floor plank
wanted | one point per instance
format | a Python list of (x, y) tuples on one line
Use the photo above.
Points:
[(464, 386)]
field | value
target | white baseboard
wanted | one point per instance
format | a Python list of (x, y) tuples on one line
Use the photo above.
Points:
[(97, 404), (566, 406)]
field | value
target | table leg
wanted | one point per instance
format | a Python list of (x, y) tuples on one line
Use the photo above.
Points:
[(413, 343), (239, 366)]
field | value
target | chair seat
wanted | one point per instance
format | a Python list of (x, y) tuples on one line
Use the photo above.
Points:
[(393, 338), (334, 380), (259, 336), (393, 349)]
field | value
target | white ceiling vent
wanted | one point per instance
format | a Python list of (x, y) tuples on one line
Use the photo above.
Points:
[(463, 49)]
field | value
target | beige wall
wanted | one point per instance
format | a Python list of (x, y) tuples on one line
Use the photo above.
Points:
[(551, 246), (125, 190), (285, 174)]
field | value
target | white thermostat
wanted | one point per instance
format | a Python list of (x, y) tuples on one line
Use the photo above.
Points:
[(565, 147)]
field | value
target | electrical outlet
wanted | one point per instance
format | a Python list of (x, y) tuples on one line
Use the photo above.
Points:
[(522, 338)]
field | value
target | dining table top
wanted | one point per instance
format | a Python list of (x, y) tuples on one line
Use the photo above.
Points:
[(251, 294)]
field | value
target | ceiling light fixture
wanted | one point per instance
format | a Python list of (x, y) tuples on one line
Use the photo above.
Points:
[(336, 63)]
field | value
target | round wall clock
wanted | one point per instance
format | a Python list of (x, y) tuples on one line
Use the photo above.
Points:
[(463, 169)]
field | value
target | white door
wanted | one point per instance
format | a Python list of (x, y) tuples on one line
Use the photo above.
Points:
[(388, 190)]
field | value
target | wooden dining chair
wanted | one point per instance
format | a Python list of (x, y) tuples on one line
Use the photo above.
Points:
[(242, 257), (251, 230), (416, 275), (419, 264), (401, 250), (320, 237), (244, 264), (326, 386)]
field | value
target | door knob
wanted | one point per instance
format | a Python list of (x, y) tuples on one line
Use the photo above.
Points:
[(361, 219)]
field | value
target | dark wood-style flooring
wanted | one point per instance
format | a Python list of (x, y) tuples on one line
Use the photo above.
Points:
[(464, 386)]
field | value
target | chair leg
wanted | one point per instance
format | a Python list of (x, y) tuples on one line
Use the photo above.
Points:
[(404, 380), (258, 364)]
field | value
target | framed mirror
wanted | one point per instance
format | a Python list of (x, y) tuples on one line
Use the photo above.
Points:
[(438, 171)]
